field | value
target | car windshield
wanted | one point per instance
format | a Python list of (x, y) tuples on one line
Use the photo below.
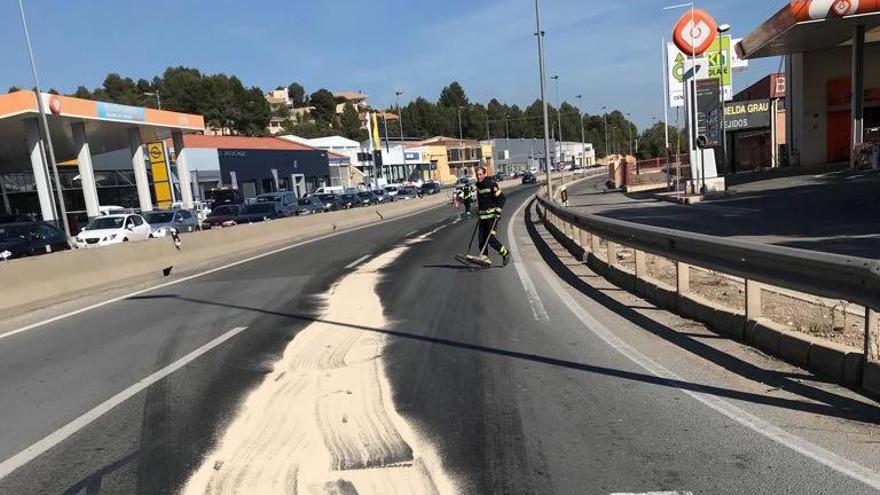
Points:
[(326, 197), (347, 197), (224, 210), (390, 189), (9, 232), (304, 202), (160, 217), (106, 223), (259, 209), (221, 195), (365, 195)]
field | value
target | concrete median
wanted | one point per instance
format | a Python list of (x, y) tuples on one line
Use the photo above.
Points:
[(32, 283)]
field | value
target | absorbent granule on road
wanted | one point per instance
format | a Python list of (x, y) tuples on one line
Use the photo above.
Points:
[(323, 421)]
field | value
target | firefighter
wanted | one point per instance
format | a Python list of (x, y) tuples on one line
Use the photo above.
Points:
[(467, 197), (490, 200)]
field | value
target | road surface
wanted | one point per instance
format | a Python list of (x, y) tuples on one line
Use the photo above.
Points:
[(831, 212), (371, 360)]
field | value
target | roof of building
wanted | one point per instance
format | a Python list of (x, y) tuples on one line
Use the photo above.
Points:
[(447, 140), (386, 115), (350, 95), (243, 143)]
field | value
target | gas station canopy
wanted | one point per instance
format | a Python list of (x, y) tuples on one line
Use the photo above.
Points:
[(793, 30)]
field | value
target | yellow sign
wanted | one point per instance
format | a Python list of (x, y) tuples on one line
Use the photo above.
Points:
[(159, 167)]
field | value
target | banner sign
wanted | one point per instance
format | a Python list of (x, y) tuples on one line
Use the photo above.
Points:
[(752, 114), (695, 32), (120, 112), (712, 65), (805, 10)]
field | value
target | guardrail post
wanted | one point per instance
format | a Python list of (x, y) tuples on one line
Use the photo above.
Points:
[(753, 300), (611, 249), (641, 264), (582, 239), (594, 244), (682, 278), (872, 335)]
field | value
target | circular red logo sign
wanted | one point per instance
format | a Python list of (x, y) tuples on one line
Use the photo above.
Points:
[(695, 33), (55, 105)]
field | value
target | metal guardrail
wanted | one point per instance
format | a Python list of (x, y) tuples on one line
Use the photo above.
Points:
[(856, 280)]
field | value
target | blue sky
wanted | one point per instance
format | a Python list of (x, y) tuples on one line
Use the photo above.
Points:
[(609, 51)]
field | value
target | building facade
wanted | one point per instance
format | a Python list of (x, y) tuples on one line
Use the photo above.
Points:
[(520, 155)]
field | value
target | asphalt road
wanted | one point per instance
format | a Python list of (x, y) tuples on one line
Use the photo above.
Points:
[(526, 379), (832, 212)]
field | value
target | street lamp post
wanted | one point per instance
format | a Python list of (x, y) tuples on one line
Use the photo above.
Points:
[(581, 121), (558, 117), (507, 126), (45, 124), (723, 28), (614, 138), (158, 98), (605, 117), (629, 128), (543, 78), (400, 123)]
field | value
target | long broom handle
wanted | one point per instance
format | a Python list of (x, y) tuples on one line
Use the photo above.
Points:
[(486, 245)]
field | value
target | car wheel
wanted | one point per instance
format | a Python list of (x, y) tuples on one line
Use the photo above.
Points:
[(125, 239)]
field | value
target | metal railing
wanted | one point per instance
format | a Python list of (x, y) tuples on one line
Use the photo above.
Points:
[(852, 279)]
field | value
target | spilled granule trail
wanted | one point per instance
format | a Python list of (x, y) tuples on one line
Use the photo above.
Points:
[(322, 422)]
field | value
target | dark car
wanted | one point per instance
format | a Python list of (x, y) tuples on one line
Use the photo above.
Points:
[(329, 201), (347, 201), (367, 198), (308, 206), (259, 212), (429, 188), (5, 218), (529, 179), (408, 192), (30, 239), (500, 176), (221, 215), (220, 197)]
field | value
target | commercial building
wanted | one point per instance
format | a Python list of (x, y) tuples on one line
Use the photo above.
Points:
[(832, 78), (338, 147), (451, 158), (520, 155), (575, 153), (255, 165), (754, 123), (80, 131)]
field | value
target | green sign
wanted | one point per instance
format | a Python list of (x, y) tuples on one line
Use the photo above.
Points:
[(718, 56)]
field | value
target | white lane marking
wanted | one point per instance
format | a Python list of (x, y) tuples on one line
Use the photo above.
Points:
[(412, 233), (27, 455), (208, 272), (357, 262), (538, 310), (732, 412)]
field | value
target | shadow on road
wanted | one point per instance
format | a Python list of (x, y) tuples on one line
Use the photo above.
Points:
[(832, 405), (819, 401)]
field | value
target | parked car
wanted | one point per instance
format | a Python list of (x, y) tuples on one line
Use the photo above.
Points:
[(500, 176), (408, 192), (329, 190), (347, 201), (259, 212), (219, 197), (4, 218), (164, 221), (429, 188), (286, 200), (367, 198), (329, 201), (381, 195), (309, 206), (222, 216), (113, 229), (22, 239), (391, 192), (529, 178)]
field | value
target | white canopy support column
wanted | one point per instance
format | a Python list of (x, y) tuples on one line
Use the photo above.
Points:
[(139, 166), (86, 170), (186, 193), (38, 164), (858, 91)]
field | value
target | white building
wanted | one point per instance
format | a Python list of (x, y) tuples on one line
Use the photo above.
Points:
[(340, 146), (576, 153)]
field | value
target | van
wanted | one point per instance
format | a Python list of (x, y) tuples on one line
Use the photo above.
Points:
[(285, 200), (329, 190)]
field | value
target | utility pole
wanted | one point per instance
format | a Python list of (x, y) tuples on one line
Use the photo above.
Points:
[(605, 116), (630, 129), (45, 124), (507, 126), (543, 77), (158, 99), (581, 121), (558, 118), (400, 122)]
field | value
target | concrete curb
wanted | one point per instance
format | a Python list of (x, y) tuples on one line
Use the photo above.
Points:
[(841, 363)]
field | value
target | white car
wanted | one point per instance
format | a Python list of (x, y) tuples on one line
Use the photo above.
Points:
[(113, 229)]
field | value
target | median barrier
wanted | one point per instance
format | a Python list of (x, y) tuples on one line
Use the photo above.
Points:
[(31, 283)]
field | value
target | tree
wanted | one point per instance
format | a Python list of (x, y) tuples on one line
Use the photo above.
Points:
[(325, 107), (350, 124), (82, 92), (297, 94), (453, 96), (13, 89)]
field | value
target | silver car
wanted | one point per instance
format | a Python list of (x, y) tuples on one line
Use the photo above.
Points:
[(163, 221)]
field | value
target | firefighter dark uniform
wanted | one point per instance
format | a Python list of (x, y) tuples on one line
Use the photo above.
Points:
[(467, 197), (491, 201)]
